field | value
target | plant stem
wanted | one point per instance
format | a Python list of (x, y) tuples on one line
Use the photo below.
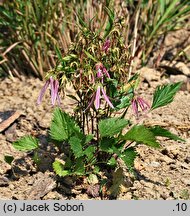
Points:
[(134, 42)]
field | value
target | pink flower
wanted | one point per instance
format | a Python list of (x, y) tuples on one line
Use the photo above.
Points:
[(138, 101), (98, 96), (101, 71), (106, 45), (54, 86)]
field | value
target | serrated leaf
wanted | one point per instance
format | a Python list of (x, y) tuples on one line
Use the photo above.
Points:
[(141, 134), (58, 167), (89, 152), (111, 126), (88, 138), (76, 146), (63, 126), (59, 127), (165, 94), (26, 143), (106, 144), (128, 156), (8, 159), (112, 161), (79, 167), (158, 131)]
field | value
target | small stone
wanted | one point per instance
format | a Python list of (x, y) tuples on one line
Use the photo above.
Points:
[(187, 159), (166, 159), (186, 181), (11, 186), (149, 74), (184, 165), (183, 68), (178, 78), (4, 181), (154, 164), (173, 167)]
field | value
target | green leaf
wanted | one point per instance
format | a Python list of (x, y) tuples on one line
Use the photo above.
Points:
[(26, 143), (76, 146), (158, 131), (36, 158), (128, 156), (58, 53), (124, 102), (90, 56), (112, 161), (89, 152), (106, 144), (109, 25), (8, 159), (165, 94), (63, 126), (141, 134), (58, 167), (80, 167), (96, 170), (89, 137), (111, 126)]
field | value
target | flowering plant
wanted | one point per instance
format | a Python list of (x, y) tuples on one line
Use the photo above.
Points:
[(98, 136)]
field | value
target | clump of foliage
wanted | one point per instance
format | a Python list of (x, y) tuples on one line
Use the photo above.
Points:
[(98, 136)]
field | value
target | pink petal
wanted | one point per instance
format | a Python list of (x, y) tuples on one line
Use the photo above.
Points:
[(42, 92), (143, 104), (106, 72), (107, 99), (99, 73), (106, 45), (52, 90), (97, 99), (54, 85), (135, 106)]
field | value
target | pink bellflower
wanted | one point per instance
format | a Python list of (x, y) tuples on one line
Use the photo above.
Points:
[(98, 96), (54, 87), (139, 102), (101, 71)]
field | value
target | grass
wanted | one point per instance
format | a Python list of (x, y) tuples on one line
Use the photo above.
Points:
[(33, 32)]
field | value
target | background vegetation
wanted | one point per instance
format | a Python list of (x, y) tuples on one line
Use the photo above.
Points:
[(32, 31)]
